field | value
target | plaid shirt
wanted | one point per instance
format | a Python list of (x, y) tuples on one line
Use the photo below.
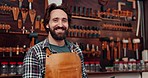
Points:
[(34, 61)]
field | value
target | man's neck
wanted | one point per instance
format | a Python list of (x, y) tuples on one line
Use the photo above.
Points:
[(56, 42)]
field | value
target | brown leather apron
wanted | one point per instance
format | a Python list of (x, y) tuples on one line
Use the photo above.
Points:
[(62, 65)]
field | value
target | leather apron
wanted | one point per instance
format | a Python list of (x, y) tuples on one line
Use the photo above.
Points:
[(62, 65)]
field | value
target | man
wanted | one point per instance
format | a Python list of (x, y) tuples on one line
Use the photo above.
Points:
[(55, 57)]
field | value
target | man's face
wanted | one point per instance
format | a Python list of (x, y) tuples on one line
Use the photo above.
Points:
[(58, 24)]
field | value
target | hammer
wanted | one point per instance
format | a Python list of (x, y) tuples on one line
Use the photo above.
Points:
[(33, 37), (118, 46), (136, 41), (124, 46)]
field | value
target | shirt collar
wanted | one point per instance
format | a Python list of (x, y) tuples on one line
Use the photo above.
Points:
[(46, 44)]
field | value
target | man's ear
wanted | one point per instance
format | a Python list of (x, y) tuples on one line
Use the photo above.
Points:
[(47, 26)]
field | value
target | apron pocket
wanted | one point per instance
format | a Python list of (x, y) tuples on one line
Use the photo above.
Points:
[(68, 73)]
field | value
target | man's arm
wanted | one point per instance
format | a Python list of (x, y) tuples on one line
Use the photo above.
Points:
[(31, 65), (79, 51)]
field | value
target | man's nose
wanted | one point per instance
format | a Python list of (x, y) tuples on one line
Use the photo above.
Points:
[(60, 24)]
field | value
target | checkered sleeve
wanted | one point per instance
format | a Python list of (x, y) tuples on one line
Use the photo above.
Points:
[(79, 51), (31, 65)]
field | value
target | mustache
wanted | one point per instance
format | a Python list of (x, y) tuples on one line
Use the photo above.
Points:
[(63, 28)]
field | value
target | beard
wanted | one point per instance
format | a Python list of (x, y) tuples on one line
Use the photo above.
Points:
[(58, 36)]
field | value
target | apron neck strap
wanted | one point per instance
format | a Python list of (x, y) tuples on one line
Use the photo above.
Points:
[(48, 52)]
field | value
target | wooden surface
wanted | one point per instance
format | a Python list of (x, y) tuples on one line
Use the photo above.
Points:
[(10, 40)]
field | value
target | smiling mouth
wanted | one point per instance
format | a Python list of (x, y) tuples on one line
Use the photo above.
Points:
[(59, 30), (63, 28)]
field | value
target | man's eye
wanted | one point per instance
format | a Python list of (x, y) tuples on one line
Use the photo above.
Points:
[(55, 20), (65, 20)]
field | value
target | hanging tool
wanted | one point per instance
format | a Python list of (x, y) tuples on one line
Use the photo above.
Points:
[(115, 53), (111, 48), (105, 48), (119, 47), (87, 47), (32, 14), (108, 52), (20, 3), (17, 50), (42, 25), (33, 37), (93, 49), (15, 11), (37, 22), (24, 12), (19, 23), (3, 50), (124, 46), (136, 42), (130, 47), (30, 4)]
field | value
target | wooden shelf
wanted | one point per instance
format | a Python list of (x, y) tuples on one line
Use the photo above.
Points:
[(87, 18), (95, 19), (90, 52), (40, 34), (11, 76), (89, 73), (107, 19), (115, 72), (14, 32), (20, 33), (13, 56)]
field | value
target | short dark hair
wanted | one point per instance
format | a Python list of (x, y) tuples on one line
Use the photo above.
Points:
[(50, 8)]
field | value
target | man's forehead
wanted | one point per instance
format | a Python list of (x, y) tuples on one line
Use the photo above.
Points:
[(58, 13)]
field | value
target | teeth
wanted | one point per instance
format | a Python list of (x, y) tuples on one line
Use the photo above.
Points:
[(60, 30)]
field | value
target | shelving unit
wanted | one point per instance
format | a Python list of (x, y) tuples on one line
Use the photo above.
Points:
[(85, 21)]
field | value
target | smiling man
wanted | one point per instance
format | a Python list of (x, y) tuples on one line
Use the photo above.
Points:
[(55, 57)]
